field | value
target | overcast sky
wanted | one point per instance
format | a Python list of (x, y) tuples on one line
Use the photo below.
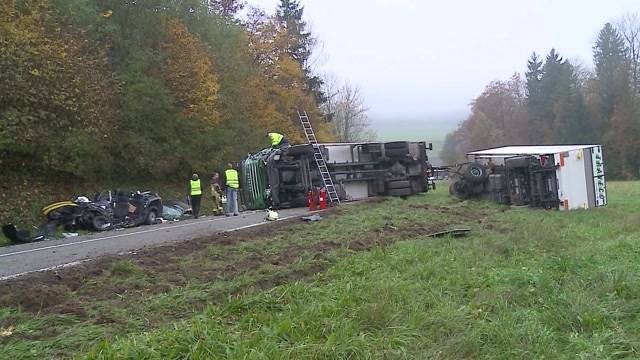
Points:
[(416, 57)]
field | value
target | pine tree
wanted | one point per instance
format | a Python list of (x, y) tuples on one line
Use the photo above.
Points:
[(609, 59), (300, 43), (534, 76)]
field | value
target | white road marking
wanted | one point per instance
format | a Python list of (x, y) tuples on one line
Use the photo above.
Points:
[(74, 263), (108, 237)]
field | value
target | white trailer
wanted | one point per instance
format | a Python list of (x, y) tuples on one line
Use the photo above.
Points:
[(580, 174)]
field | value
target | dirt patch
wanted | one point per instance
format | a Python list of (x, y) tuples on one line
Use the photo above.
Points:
[(160, 269), (48, 292)]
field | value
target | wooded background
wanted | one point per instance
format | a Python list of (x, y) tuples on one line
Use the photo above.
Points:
[(560, 102)]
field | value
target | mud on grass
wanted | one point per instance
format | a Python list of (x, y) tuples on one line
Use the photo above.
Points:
[(120, 295)]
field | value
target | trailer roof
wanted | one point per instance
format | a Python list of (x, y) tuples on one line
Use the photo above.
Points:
[(506, 151)]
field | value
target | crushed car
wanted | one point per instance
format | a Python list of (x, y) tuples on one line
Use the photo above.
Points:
[(108, 210)]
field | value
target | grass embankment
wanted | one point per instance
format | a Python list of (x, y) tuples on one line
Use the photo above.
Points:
[(525, 283), (21, 202)]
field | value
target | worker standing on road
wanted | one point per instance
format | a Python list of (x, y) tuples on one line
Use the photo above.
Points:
[(232, 186), (277, 140), (195, 195), (216, 193)]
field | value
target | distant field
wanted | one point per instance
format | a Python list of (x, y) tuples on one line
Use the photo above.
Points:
[(431, 129)]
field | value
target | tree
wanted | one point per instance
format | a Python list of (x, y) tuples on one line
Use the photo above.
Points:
[(534, 95), (56, 94), (227, 9), (299, 43), (629, 29), (612, 76), (350, 120)]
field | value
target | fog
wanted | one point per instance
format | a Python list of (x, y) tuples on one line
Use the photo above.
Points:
[(413, 57)]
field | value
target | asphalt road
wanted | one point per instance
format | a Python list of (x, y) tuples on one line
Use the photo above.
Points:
[(22, 259)]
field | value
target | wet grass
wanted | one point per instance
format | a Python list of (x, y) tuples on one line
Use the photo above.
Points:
[(524, 284)]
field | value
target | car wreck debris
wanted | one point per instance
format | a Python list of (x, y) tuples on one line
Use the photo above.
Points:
[(108, 210)]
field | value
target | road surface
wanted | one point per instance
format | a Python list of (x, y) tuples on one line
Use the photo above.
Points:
[(22, 259)]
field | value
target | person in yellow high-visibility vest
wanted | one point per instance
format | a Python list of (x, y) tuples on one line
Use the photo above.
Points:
[(277, 140), (232, 184), (195, 195)]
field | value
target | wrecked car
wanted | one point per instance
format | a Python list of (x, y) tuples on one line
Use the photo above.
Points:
[(108, 210)]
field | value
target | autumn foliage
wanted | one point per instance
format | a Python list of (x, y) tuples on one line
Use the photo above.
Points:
[(142, 89)]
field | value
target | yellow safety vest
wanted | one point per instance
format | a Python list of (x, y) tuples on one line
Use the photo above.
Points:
[(232, 178), (275, 138), (196, 189)]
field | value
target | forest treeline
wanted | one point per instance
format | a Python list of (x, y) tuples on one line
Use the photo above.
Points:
[(149, 88), (561, 102)]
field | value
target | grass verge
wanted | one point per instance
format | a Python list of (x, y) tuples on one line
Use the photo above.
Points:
[(525, 283)]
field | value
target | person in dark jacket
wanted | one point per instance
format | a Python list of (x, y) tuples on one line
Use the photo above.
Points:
[(195, 195), (216, 193)]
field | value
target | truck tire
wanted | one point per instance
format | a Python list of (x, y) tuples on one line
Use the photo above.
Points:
[(399, 184), (400, 192), (476, 173), (396, 153), (396, 145), (456, 190)]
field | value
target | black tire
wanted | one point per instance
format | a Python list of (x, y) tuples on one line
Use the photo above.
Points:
[(396, 145), (100, 222), (400, 192), (396, 153), (399, 184), (476, 173), (152, 216), (456, 190)]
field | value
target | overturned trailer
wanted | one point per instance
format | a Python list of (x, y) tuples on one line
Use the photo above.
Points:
[(552, 176), (282, 178)]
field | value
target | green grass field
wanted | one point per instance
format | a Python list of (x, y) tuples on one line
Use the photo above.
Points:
[(366, 283)]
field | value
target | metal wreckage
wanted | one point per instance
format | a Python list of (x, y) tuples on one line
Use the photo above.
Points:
[(108, 210), (283, 177), (564, 177)]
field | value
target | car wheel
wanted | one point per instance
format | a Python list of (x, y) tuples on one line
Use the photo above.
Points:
[(100, 223), (152, 216)]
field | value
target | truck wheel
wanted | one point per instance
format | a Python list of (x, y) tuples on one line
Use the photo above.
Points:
[(396, 145), (399, 184), (476, 173), (396, 153), (151, 217), (456, 190), (400, 192)]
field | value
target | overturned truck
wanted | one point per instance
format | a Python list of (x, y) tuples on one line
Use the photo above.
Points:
[(552, 176), (281, 178)]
